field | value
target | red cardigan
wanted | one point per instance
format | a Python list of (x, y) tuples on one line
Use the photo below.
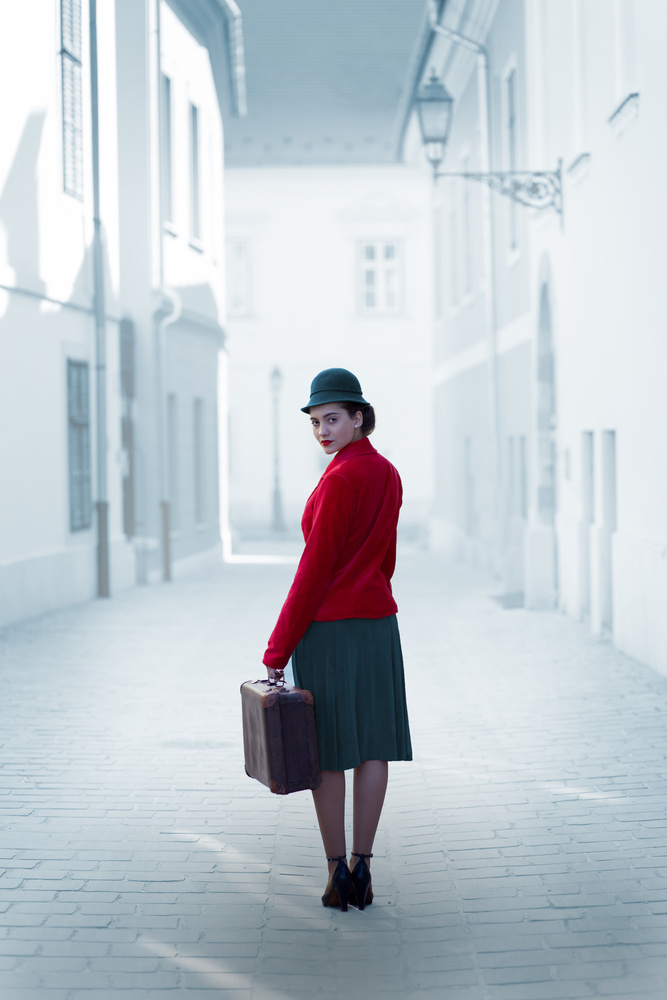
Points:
[(349, 525)]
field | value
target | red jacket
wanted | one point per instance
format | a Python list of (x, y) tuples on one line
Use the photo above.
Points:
[(349, 525)]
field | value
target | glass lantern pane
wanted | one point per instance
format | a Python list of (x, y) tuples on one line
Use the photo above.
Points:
[(390, 288), (434, 117)]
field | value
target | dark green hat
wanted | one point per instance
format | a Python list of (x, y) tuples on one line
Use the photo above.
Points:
[(334, 385)]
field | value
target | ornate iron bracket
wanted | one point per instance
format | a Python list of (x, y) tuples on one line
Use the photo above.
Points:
[(536, 189)]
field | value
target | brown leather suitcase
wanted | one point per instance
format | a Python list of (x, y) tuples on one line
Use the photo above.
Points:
[(279, 738)]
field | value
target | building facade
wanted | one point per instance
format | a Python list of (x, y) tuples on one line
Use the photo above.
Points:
[(329, 252), (328, 267), (111, 293), (548, 382)]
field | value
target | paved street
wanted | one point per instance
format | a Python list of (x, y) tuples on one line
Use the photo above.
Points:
[(522, 855)]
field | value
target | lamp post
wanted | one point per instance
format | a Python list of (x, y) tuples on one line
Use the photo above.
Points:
[(534, 188), (277, 520), (434, 109)]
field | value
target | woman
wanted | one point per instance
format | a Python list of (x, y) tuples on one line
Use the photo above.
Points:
[(339, 625)]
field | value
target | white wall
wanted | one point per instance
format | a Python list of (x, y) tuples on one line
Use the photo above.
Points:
[(607, 267), (45, 258), (193, 267), (301, 227), (593, 84), (163, 262), (189, 260), (47, 307)]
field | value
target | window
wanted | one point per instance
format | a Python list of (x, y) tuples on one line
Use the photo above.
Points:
[(195, 220), (127, 385), (380, 278), (587, 477), (518, 476), (579, 47), (523, 475), (238, 278), (439, 227), (511, 151), (198, 459), (129, 511), (454, 245), (465, 228), (172, 460), (72, 113), (469, 490), (127, 358), (626, 48), (78, 410), (626, 78), (166, 181), (609, 481)]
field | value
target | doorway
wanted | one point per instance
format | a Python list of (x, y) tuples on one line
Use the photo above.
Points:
[(587, 519), (608, 527), (546, 472)]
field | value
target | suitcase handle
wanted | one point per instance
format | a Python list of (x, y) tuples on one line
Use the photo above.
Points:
[(279, 679)]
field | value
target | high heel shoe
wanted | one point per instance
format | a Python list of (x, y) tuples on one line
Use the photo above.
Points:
[(361, 881), (337, 891)]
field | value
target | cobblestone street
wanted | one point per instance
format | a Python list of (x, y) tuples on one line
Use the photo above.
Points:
[(521, 856)]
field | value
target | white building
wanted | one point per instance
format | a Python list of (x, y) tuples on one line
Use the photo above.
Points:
[(329, 267), (111, 291), (551, 348), (329, 252)]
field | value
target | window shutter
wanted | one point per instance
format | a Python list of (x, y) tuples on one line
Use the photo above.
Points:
[(127, 358), (71, 27), (78, 405), (72, 107), (195, 214)]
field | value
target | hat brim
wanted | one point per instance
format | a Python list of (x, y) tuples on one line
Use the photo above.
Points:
[(320, 398)]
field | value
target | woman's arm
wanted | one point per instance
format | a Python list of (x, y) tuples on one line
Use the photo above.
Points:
[(333, 509), (389, 561)]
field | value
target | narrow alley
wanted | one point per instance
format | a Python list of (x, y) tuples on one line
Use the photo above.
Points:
[(521, 856)]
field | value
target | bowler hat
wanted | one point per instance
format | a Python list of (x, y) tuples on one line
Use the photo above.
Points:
[(334, 385)]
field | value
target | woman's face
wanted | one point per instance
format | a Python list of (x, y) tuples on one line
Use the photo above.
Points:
[(333, 427)]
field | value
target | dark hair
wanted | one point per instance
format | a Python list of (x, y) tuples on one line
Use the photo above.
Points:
[(367, 414)]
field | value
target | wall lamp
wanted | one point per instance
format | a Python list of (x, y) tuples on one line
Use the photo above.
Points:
[(536, 189)]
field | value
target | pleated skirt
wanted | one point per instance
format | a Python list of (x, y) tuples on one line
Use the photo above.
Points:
[(354, 670)]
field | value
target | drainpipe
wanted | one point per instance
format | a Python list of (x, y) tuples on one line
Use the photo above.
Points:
[(167, 313), (165, 316), (484, 90), (102, 504)]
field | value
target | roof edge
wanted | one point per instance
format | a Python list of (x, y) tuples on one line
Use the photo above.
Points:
[(420, 56), (234, 20)]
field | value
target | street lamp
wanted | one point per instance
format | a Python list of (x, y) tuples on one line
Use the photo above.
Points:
[(434, 108), (536, 189), (277, 520)]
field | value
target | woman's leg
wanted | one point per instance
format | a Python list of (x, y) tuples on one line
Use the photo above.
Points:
[(370, 785), (329, 801)]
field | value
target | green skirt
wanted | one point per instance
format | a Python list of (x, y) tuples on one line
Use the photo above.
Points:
[(354, 670)]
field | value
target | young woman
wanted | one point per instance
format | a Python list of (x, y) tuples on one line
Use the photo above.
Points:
[(339, 625)]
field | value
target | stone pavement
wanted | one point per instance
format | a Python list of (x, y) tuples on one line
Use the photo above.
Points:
[(521, 856)]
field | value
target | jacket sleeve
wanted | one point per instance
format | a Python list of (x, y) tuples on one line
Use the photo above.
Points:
[(333, 509), (389, 561)]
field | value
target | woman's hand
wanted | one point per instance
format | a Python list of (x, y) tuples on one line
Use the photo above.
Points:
[(275, 676)]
